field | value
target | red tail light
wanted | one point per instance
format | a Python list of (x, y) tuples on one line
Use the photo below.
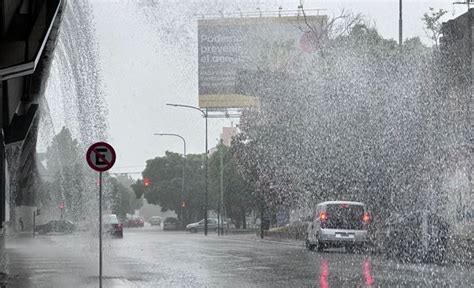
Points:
[(323, 216), (366, 218), (119, 226)]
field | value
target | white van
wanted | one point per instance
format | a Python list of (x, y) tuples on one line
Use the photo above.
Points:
[(338, 224)]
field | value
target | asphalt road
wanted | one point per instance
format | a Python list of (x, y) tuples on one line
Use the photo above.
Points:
[(150, 257)]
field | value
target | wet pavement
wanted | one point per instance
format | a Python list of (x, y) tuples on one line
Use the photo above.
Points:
[(150, 257)]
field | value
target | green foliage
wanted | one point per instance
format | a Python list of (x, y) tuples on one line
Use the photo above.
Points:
[(238, 194), (122, 199), (138, 188), (349, 123), (433, 24), (67, 179), (165, 174), (65, 176)]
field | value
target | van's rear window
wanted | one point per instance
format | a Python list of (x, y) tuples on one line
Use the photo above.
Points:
[(344, 216)]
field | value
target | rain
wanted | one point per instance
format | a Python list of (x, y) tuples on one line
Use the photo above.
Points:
[(236, 143)]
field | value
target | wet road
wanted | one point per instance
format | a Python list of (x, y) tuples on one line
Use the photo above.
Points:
[(149, 257)]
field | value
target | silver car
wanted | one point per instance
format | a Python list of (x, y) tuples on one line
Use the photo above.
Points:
[(155, 220), (199, 226), (338, 224)]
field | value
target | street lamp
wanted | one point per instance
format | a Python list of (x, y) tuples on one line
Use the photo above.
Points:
[(205, 115), (184, 164)]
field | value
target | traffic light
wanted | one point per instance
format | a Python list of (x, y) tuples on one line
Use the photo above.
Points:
[(146, 181), (183, 204)]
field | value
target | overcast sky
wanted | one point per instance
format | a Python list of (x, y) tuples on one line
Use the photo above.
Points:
[(142, 74)]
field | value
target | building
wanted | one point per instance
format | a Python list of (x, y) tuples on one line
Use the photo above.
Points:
[(226, 137), (28, 34), (228, 133), (457, 48)]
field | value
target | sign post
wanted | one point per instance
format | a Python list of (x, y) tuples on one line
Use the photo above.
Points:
[(61, 208), (100, 157)]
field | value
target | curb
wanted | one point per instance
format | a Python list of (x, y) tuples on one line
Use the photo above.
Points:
[(253, 238)]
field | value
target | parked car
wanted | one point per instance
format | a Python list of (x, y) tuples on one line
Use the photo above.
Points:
[(338, 224), (134, 222), (416, 236), (112, 226), (155, 220), (199, 226), (171, 223), (59, 226)]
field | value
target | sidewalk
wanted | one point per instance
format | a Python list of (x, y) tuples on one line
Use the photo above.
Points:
[(42, 262)]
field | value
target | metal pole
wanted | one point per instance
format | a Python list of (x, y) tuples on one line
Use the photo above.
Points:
[(182, 180), (400, 26), (222, 177), (100, 229), (184, 165), (206, 204), (261, 220), (206, 115), (34, 223)]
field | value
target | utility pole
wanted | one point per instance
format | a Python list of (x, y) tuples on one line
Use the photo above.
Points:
[(222, 180), (261, 218), (184, 199), (400, 25), (205, 114)]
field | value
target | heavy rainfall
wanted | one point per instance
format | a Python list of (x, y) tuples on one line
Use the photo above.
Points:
[(252, 143)]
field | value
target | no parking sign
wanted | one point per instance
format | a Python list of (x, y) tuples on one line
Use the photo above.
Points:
[(100, 157)]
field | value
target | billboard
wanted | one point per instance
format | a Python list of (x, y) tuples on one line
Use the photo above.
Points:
[(230, 48)]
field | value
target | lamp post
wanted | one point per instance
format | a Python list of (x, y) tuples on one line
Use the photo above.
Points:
[(184, 164), (205, 115)]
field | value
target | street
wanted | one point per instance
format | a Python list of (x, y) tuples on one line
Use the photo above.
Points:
[(150, 257)]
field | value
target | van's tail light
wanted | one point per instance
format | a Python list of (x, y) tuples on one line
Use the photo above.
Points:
[(323, 216), (366, 218)]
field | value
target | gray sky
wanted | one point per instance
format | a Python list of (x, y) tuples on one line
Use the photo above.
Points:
[(142, 74)]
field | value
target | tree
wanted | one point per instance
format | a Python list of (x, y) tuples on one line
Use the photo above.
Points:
[(127, 181), (349, 123), (122, 199), (239, 198), (433, 24), (164, 174), (65, 169)]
